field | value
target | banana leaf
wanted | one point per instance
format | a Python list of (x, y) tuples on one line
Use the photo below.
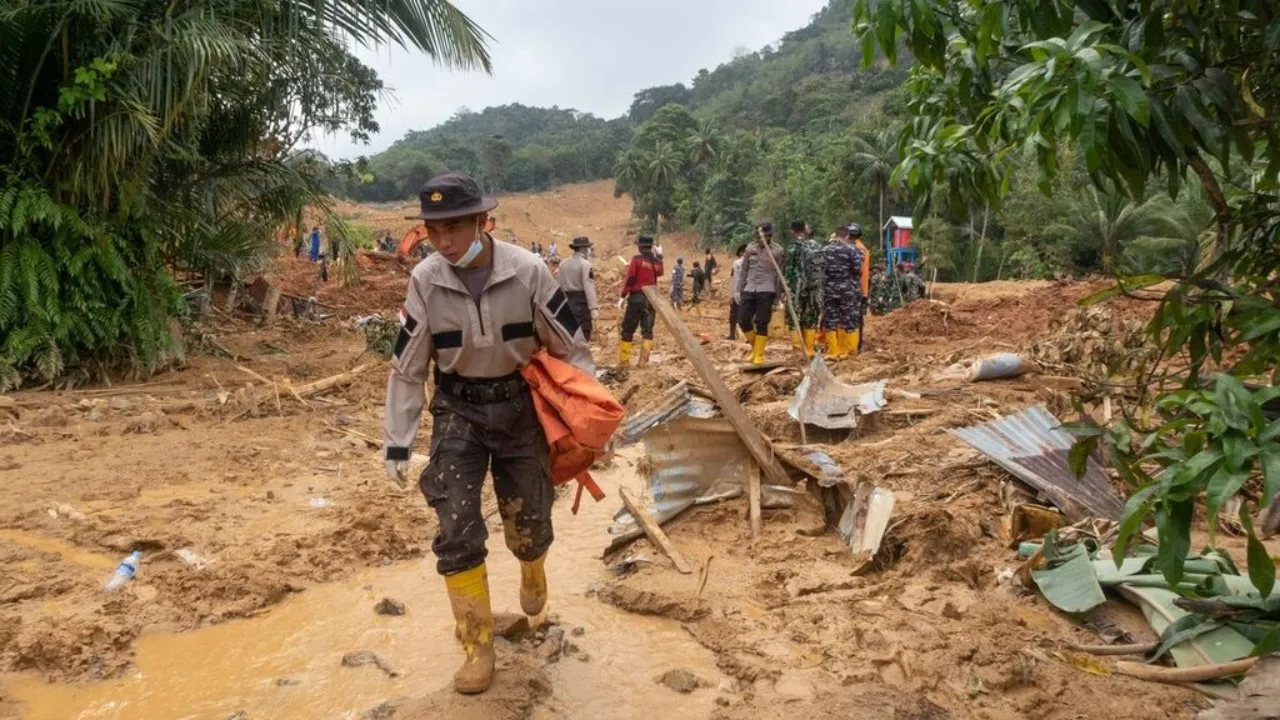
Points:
[(1070, 585), (1214, 646)]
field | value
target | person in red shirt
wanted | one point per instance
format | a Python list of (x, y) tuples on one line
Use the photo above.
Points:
[(644, 270)]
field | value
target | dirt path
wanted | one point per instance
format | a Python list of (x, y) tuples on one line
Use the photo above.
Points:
[(302, 535)]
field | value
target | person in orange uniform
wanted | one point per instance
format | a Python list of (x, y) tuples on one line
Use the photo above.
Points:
[(855, 232), (644, 270)]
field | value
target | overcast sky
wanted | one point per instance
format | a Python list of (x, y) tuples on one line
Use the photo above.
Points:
[(590, 55)]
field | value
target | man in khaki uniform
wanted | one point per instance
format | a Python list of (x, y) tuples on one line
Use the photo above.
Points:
[(578, 281), (478, 309)]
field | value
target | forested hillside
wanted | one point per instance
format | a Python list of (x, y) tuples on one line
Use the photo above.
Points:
[(802, 130), (809, 82)]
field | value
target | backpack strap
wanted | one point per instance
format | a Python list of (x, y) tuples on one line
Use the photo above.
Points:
[(588, 483)]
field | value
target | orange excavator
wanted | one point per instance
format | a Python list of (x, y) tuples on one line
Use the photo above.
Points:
[(411, 241)]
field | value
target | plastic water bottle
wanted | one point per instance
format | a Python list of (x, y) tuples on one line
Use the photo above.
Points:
[(124, 571)]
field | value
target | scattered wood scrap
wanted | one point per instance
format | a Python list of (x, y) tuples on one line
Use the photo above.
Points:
[(729, 405), (654, 532)]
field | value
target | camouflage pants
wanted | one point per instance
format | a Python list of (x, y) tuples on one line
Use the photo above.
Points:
[(843, 308), (467, 440), (808, 308)]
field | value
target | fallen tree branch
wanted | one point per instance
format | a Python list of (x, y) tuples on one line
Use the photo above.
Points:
[(1178, 676), (1135, 649)]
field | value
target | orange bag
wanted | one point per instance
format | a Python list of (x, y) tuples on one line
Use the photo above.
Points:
[(578, 415)]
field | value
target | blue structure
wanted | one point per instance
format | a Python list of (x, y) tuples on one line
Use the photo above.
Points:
[(896, 242)]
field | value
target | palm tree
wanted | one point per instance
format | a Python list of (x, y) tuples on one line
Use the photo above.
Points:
[(663, 165), (1107, 222), (875, 155), (160, 133), (705, 144)]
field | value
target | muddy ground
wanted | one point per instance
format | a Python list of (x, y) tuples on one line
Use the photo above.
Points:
[(283, 496)]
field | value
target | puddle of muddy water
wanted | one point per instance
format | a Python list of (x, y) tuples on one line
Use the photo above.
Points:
[(69, 553), (286, 663)]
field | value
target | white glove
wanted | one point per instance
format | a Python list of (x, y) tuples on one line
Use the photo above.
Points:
[(595, 313), (737, 299), (621, 302), (398, 472)]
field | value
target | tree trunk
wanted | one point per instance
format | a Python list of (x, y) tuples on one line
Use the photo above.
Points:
[(880, 227), (1222, 211), (982, 239)]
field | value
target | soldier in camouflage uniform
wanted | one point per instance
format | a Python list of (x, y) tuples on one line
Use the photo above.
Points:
[(910, 283), (884, 292), (804, 264), (842, 295)]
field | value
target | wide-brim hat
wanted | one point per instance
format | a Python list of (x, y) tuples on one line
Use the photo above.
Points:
[(453, 195), (580, 242)]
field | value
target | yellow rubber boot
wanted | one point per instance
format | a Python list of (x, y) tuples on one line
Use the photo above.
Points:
[(839, 346), (750, 335), (757, 349), (852, 338), (646, 346), (796, 340), (469, 598), (533, 586), (624, 354), (810, 335)]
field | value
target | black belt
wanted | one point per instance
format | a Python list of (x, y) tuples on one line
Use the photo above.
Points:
[(481, 391)]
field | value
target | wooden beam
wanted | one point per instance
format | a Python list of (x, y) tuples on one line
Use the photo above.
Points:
[(728, 402), (753, 497), (654, 532)]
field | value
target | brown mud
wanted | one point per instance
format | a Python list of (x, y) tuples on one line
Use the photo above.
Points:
[(287, 504)]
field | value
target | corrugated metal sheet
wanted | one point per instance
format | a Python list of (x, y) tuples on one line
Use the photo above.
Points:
[(692, 461), (905, 223), (823, 400), (1032, 446), (672, 404)]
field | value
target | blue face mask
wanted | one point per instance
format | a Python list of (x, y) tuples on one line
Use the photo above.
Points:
[(473, 252)]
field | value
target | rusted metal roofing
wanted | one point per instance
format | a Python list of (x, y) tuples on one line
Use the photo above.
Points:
[(823, 400), (1033, 446), (691, 462)]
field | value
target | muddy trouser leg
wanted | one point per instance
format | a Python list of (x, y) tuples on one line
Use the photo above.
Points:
[(521, 476), (747, 312), (453, 480), (733, 320), (763, 312), (646, 316), (631, 319), (578, 306)]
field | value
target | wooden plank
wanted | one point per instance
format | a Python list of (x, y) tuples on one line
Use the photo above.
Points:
[(654, 532), (753, 497), (728, 402)]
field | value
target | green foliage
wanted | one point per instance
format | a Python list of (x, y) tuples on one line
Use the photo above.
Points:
[(1148, 91), (512, 148), (137, 144)]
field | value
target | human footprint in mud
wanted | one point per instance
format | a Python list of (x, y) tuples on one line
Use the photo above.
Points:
[(479, 309)]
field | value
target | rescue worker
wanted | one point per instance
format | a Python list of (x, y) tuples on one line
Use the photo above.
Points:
[(841, 295), (578, 281), (709, 264), (315, 244), (910, 284), (791, 271), (677, 284), (734, 297), (478, 309), (884, 295), (855, 233), (699, 282), (757, 288), (644, 270), (804, 276)]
